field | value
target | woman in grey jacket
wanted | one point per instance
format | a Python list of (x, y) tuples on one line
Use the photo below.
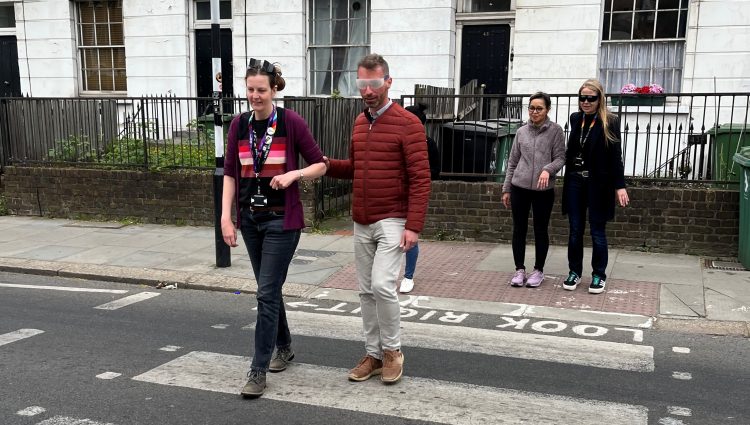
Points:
[(538, 153)]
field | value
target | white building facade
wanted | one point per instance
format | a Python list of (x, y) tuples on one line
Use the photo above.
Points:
[(69, 48)]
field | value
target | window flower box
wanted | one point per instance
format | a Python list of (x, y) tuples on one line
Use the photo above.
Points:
[(631, 95)]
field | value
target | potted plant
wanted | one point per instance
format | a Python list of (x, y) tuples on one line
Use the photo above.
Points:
[(632, 95)]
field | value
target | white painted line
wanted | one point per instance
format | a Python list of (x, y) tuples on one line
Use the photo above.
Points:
[(413, 398), (18, 335), (64, 420), (685, 376), (64, 288), (31, 411), (670, 421), (585, 352), (220, 326), (681, 350), (679, 411), (108, 375), (170, 348), (132, 299)]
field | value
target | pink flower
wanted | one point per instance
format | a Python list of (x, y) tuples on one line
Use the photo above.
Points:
[(648, 89)]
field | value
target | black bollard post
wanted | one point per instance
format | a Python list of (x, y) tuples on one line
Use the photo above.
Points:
[(223, 259)]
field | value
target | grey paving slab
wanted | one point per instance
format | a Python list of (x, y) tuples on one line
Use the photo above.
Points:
[(102, 237), (144, 258), (50, 252), (99, 255), (310, 277), (721, 307), (682, 300), (62, 234), (336, 243), (184, 246), (22, 233), (656, 267), (732, 284), (11, 248), (187, 263)]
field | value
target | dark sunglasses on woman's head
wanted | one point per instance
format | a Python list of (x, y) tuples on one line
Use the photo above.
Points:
[(590, 99), (263, 65)]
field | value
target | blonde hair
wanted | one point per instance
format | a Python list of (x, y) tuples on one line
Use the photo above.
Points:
[(602, 111)]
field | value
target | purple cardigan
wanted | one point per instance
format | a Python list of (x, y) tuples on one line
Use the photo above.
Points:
[(299, 142)]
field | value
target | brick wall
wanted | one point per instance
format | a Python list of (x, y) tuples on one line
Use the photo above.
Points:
[(678, 220)]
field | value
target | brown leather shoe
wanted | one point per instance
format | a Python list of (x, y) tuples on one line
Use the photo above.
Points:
[(393, 366), (366, 368)]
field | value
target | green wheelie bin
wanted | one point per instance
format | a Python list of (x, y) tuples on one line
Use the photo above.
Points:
[(742, 158)]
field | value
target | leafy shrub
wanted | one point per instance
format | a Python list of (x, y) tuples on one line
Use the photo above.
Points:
[(72, 149)]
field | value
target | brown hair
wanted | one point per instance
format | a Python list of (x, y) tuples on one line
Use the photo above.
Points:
[(601, 110), (544, 96), (372, 61), (274, 79)]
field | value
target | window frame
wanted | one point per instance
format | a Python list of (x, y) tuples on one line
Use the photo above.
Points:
[(313, 46), (673, 44), (81, 48)]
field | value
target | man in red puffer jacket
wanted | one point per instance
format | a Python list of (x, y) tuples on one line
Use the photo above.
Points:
[(389, 164)]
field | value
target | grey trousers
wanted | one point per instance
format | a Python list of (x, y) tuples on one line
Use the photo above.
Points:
[(378, 260)]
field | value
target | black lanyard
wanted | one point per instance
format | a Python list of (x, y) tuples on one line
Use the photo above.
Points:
[(583, 138)]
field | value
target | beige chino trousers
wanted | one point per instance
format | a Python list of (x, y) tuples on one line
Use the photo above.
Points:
[(378, 258)]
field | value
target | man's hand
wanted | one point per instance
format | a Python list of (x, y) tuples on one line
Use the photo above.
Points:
[(408, 240)]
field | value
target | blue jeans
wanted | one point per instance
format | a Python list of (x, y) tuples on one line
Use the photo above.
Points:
[(271, 249), (577, 194), (411, 262)]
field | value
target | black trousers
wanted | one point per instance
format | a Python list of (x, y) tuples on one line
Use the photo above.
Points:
[(540, 203)]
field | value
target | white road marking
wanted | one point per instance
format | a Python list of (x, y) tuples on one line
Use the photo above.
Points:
[(64, 420), (31, 411), (64, 288), (413, 398), (123, 302), (685, 376), (681, 350), (220, 326), (18, 335), (170, 348), (670, 421), (602, 354), (679, 411), (108, 375)]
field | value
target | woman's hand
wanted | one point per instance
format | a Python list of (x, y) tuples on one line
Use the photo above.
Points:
[(506, 199), (228, 231), (622, 197), (543, 180), (284, 180)]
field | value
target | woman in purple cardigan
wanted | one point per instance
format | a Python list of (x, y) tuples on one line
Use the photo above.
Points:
[(261, 178)]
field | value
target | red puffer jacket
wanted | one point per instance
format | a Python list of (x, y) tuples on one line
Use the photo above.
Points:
[(389, 164)]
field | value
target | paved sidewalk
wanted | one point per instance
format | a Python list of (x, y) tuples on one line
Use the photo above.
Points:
[(458, 276)]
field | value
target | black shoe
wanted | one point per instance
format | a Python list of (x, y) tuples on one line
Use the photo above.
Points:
[(572, 281), (256, 384), (597, 285), (281, 360)]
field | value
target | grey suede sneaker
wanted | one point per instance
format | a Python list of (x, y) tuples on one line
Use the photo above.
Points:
[(281, 360), (256, 384)]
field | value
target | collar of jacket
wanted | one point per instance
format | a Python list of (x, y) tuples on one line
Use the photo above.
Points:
[(545, 125)]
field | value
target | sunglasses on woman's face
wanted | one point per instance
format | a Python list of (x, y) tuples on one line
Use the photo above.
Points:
[(590, 99)]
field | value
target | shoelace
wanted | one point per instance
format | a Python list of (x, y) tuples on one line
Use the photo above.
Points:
[(254, 376)]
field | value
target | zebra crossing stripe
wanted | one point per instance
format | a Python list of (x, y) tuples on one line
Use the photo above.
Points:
[(63, 288), (64, 420), (412, 398), (132, 299), (550, 348), (18, 335)]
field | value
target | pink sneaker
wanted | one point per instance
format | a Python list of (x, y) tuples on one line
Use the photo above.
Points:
[(535, 279), (518, 278)]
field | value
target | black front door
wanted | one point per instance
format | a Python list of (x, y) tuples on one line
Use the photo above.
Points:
[(204, 69), (10, 79), (484, 56)]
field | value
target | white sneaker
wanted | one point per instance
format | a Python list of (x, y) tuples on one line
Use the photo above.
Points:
[(407, 285)]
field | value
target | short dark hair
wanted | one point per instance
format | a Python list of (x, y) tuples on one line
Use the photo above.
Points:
[(372, 61), (418, 110), (544, 96)]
